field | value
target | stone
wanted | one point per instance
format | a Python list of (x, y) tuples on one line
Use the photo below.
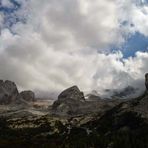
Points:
[(28, 95), (71, 93), (69, 101), (8, 92)]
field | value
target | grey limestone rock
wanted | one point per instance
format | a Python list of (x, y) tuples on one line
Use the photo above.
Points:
[(8, 92), (28, 95), (69, 101)]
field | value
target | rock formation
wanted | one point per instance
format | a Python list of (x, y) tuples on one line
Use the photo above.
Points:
[(28, 95), (8, 92), (69, 101), (71, 93), (146, 80)]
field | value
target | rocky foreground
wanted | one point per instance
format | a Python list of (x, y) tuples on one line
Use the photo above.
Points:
[(72, 121)]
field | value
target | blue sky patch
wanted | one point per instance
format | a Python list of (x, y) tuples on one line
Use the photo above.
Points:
[(137, 42)]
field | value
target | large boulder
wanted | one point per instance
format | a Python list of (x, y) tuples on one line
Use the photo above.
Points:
[(8, 92), (146, 80), (69, 101), (28, 95)]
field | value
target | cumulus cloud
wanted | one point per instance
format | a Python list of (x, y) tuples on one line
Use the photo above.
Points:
[(56, 44), (134, 13), (6, 3)]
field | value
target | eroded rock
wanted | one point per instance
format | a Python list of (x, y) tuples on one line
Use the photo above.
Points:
[(28, 95), (71, 93), (69, 101), (8, 92)]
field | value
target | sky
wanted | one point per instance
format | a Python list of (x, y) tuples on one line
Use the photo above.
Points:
[(50, 45)]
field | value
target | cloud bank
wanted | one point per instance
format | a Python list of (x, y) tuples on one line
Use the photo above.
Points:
[(50, 45)]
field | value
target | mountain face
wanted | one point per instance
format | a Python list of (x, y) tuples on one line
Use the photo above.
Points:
[(72, 93), (69, 101)]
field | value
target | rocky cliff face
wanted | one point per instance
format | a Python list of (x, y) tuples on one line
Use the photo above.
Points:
[(146, 80), (28, 95), (8, 92), (72, 93), (69, 101)]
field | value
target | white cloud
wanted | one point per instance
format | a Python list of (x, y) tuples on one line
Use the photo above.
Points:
[(58, 46), (64, 24), (135, 12), (6, 3)]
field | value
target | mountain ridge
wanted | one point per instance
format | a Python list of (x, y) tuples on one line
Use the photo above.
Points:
[(121, 124)]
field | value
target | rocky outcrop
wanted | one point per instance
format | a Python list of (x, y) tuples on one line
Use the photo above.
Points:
[(28, 95), (69, 101), (72, 93), (8, 92), (146, 80)]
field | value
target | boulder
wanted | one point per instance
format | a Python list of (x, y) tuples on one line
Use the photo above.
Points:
[(8, 92), (146, 81), (28, 95)]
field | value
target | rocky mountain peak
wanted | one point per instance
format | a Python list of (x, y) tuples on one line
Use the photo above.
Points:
[(69, 101), (71, 93)]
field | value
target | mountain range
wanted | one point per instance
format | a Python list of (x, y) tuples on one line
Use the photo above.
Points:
[(73, 120)]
